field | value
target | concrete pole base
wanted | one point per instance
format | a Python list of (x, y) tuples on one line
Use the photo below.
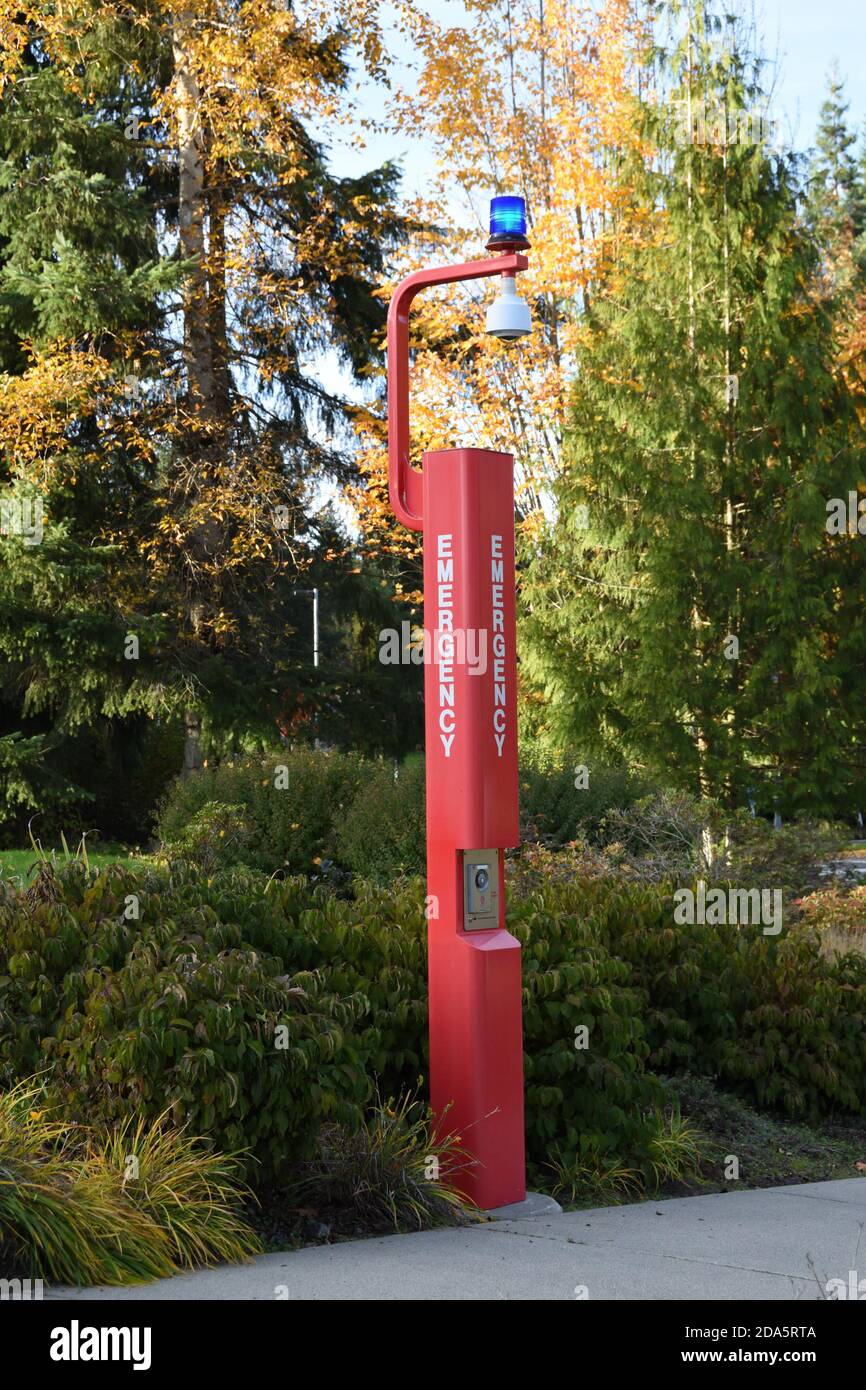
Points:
[(534, 1205)]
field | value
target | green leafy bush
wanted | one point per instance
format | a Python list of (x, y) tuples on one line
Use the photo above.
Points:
[(291, 799), (595, 1100), (553, 809), (195, 1005), (299, 807), (767, 1015), (216, 836), (384, 829), (180, 1007), (383, 832), (790, 858), (377, 944), (186, 1005)]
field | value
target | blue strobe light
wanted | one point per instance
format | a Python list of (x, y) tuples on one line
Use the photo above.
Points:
[(507, 216)]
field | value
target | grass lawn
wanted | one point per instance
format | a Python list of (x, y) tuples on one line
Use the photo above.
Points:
[(17, 863)]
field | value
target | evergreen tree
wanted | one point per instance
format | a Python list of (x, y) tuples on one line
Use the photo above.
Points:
[(833, 192), (173, 253), (80, 269), (688, 608), (835, 201)]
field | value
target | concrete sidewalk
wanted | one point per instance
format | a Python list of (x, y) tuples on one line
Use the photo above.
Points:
[(780, 1243)]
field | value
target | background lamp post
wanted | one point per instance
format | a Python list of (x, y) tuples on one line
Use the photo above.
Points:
[(463, 502), (314, 593)]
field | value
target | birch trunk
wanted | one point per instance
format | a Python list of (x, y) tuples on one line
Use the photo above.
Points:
[(197, 338)]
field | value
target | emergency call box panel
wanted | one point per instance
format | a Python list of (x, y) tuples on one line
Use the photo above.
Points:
[(480, 889)]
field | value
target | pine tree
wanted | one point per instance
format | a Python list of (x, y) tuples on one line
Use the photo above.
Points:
[(80, 269), (688, 608), (832, 196)]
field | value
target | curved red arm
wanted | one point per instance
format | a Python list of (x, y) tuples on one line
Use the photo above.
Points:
[(404, 481)]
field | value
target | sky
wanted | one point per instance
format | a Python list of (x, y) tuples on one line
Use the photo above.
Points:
[(802, 38), (809, 35)]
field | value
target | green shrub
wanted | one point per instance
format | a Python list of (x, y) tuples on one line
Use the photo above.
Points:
[(217, 836), (597, 1098), (383, 832), (790, 858), (301, 806), (377, 944), (292, 800), (180, 1007), (556, 811), (664, 837), (769, 1016), (195, 1006)]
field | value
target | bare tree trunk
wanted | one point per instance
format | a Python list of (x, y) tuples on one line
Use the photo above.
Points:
[(198, 341), (217, 306), (198, 349), (192, 754), (700, 739)]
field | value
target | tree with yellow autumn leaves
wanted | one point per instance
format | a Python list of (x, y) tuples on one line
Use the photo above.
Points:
[(531, 97)]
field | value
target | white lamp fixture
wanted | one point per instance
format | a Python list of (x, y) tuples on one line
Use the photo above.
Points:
[(508, 317)]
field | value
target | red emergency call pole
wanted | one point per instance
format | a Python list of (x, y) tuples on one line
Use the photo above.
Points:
[(463, 501)]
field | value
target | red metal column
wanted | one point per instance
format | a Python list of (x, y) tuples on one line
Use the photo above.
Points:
[(464, 504), (476, 1051)]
